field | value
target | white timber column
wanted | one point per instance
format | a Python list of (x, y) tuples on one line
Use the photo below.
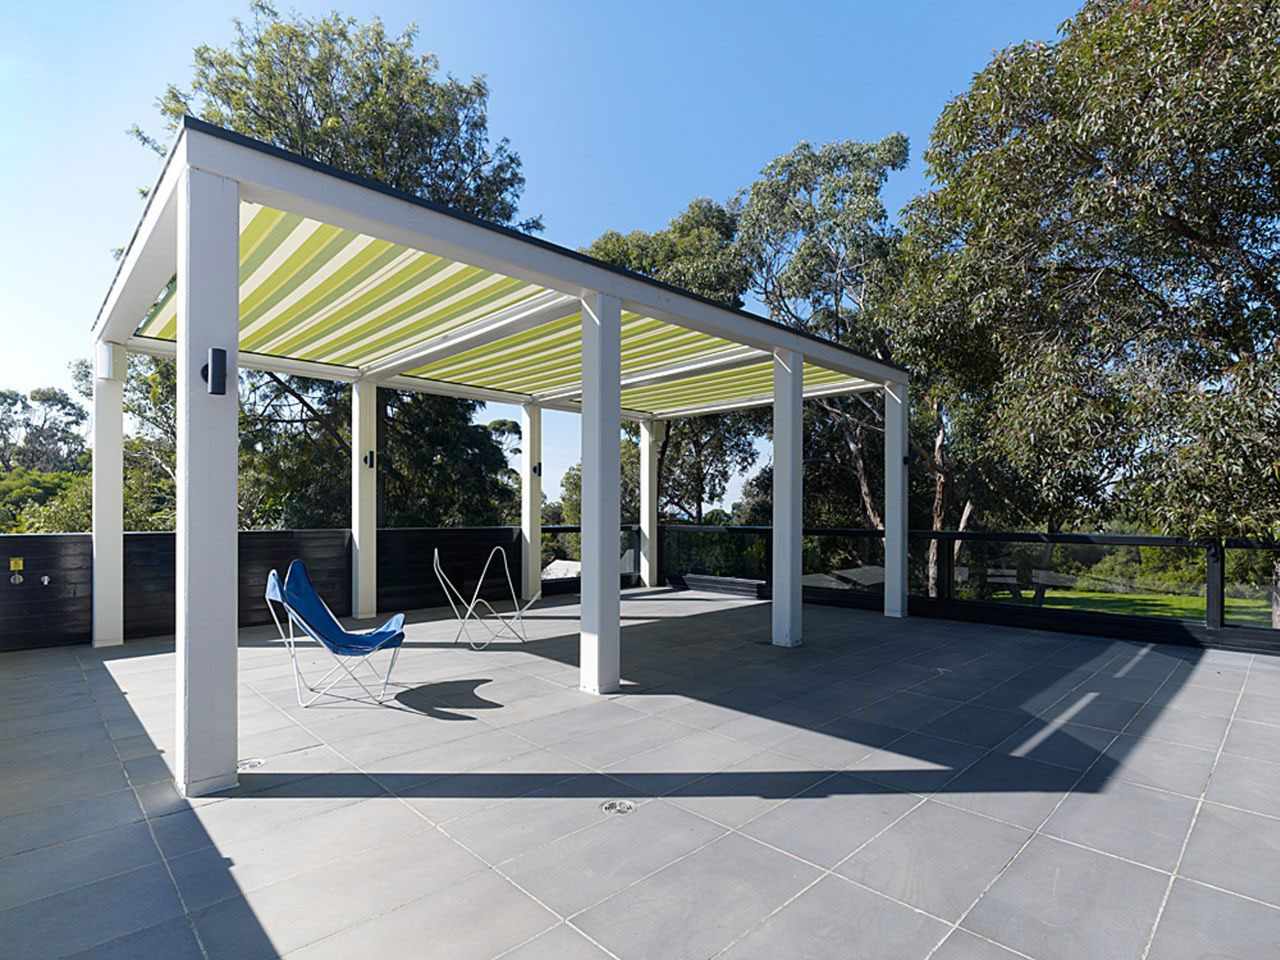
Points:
[(651, 434), (364, 498), (207, 548), (788, 491), (600, 638), (896, 416), (110, 366), (531, 501)]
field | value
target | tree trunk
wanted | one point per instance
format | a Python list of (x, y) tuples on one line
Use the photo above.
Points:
[(1046, 558), (854, 440), (1275, 592), (941, 498), (672, 425)]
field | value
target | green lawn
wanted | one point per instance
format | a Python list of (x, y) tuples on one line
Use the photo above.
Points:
[(1240, 612)]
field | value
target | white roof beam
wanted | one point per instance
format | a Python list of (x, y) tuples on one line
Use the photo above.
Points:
[(726, 360), (538, 310), (284, 183), (254, 361), (150, 260), (489, 395), (727, 406), (328, 371)]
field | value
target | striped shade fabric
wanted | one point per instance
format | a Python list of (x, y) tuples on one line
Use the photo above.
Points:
[(312, 291)]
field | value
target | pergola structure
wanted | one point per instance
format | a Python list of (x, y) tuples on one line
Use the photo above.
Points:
[(248, 256)]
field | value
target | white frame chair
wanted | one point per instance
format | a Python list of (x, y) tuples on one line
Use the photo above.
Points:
[(467, 611), (323, 686)]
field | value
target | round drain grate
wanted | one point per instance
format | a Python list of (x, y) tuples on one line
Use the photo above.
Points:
[(252, 764), (617, 808)]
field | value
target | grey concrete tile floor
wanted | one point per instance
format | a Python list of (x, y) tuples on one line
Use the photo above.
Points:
[(901, 789)]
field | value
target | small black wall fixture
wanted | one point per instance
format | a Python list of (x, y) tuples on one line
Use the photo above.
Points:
[(214, 373), (368, 459)]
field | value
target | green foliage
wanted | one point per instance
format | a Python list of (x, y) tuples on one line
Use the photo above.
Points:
[(22, 488), (42, 453), (41, 431), (353, 96), (814, 231), (697, 252), (441, 469), (571, 486), (1101, 253), (350, 95)]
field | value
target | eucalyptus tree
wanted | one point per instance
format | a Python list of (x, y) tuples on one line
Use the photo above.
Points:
[(352, 95), (824, 256), (816, 235), (1107, 219), (696, 252), (355, 96)]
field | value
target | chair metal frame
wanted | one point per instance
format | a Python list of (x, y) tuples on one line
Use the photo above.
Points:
[(322, 687), (466, 611)]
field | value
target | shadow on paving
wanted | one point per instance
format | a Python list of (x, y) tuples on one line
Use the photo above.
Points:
[(1074, 745), (85, 873), (1010, 697)]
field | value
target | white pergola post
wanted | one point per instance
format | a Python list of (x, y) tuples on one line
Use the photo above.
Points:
[(531, 501), (896, 415), (788, 467), (364, 499), (600, 639), (110, 366), (651, 434), (208, 250)]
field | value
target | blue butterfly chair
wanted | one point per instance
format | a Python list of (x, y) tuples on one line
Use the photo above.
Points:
[(305, 610)]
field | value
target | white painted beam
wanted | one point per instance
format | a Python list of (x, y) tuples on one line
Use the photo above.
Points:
[(788, 493), (727, 360), (110, 367), (364, 499), (328, 371), (651, 435), (701, 410), (541, 309), (285, 184), (896, 422), (149, 260), (600, 638), (208, 246), (155, 347), (530, 500)]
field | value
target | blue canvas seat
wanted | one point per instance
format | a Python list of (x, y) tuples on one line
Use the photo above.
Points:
[(306, 611)]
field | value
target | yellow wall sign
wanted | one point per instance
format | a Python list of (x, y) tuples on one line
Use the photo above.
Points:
[(15, 563)]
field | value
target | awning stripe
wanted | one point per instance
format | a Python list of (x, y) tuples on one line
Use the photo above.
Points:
[(313, 291)]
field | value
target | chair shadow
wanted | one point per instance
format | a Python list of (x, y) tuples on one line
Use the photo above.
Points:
[(440, 700)]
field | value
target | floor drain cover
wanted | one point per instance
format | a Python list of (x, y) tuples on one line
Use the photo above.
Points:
[(618, 808), (253, 764)]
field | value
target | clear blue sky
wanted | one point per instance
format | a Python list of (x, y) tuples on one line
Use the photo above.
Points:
[(621, 116)]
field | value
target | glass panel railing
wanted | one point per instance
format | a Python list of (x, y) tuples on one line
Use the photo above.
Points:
[(1252, 586), (925, 566), (851, 560), (1147, 581), (630, 547), (737, 552), (562, 551)]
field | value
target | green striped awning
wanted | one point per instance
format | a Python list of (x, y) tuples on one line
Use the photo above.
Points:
[(315, 292)]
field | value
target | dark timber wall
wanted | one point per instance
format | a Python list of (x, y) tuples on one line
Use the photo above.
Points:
[(36, 613), (149, 574), (406, 578)]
